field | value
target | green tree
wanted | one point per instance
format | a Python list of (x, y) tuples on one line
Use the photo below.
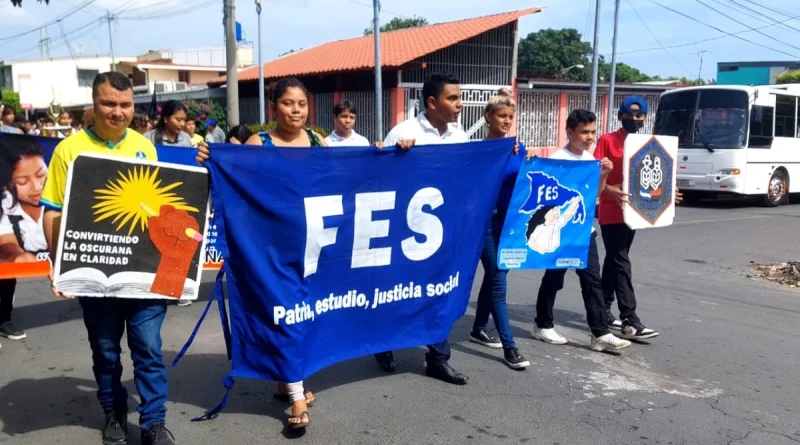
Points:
[(398, 23), (11, 100), (792, 76), (625, 73), (546, 53)]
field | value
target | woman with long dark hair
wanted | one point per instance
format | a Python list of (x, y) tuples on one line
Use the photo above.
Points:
[(169, 130), (289, 102), (22, 176)]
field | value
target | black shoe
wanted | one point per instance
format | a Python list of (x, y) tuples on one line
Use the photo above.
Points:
[(613, 323), (514, 359), (386, 360), (158, 435), (636, 331), (446, 373), (10, 330), (482, 337), (116, 430)]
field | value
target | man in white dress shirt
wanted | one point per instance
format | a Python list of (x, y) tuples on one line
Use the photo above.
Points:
[(344, 120), (438, 124)]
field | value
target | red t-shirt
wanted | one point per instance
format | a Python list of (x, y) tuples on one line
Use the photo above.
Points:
[(611, 146)]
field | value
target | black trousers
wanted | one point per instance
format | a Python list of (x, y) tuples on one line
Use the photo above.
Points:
[(591, 290), (617, 274), (7, 288)]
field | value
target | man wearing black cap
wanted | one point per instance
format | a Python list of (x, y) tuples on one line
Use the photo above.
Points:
[(617, 236)]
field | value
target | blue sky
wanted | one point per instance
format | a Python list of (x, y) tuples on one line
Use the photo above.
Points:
[(291, 24)]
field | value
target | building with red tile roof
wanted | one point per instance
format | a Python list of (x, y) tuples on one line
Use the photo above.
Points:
[(480, 51)]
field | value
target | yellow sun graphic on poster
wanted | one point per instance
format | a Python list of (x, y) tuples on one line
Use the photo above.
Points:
[(130, 198)]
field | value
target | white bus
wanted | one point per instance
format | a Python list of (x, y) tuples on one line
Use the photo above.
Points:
[(740, 140)]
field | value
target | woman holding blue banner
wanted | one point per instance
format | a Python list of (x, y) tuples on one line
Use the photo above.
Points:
[(499, 115), (289, 101)]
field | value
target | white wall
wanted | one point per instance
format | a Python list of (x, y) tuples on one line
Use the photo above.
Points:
[(58, 79)]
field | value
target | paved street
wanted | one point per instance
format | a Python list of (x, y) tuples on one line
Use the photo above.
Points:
[(724, 371)]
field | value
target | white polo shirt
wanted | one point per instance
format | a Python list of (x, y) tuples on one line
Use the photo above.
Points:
[(355, 140), (420, 128), (32, 231)]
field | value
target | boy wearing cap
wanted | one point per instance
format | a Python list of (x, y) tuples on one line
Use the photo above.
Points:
[(617, 236), (214, 134)]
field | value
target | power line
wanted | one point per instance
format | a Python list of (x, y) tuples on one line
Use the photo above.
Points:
[(762, 14), (588, 18), (684, 45), (748, 26), (724, 32), (656, 38), (784, 13), (160, 14), (163, 4), (382, 9), (733, 8), (77, 32), (70, 13)]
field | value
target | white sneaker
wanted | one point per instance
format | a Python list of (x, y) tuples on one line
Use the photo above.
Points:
[(548, 335), (184, 303), (609, 342)]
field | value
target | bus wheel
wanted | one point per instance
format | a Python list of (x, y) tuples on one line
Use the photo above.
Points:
[(778, 189)]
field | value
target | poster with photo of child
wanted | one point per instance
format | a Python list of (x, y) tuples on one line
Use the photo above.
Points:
[(23, 171), (132, 229)]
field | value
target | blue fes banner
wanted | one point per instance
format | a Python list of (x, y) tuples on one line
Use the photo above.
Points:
[(333, 254), (549, 220)]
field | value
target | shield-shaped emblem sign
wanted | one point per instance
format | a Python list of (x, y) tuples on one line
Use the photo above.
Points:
[(650, 181)]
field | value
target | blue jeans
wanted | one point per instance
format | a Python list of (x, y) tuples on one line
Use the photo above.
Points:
[(492, 296), (106, 319)]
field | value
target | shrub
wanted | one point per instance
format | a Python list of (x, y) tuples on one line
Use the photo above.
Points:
[(201, 111), (792, 76)]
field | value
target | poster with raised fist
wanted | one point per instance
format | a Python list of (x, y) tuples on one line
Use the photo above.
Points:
[(132, 229)]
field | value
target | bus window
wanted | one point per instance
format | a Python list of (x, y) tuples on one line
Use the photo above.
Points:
[(761, 119), (704, 118), (785, 116)]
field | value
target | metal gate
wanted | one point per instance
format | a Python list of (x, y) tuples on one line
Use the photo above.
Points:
[(537, 122)]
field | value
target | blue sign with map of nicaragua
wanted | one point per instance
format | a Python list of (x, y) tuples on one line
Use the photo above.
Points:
[(549, 220)]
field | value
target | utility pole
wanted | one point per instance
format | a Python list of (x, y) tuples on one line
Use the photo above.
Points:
[(110, 17), (261, 102), (700, 54), (612, 82), (376, 25), (595, 58), (44, 44), (229, 17)]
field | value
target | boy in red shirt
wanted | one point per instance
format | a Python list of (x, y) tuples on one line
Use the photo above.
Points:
[(617, 236)]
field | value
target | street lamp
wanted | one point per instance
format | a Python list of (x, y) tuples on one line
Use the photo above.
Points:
[(569, 68), (261, 104)]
